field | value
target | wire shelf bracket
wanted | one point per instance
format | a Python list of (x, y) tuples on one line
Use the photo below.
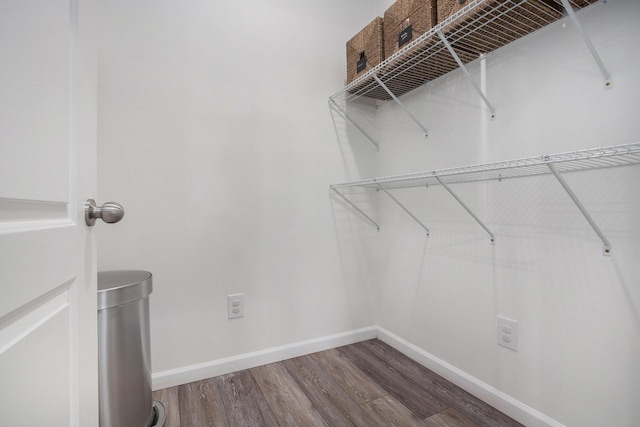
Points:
[(334, 106), (464, 205), (466, 72), (406, 110), (403, 208), (608, 80), (356, 208), (606, 246)]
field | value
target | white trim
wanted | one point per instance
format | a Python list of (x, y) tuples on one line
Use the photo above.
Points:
[(21, 323), (494, 397), (227, 365)]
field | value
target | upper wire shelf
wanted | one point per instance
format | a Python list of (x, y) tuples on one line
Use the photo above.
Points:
[(477, 29), (594, 158)]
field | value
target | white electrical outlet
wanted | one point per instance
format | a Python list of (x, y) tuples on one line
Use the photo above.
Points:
[(235, 305), (508, 333)]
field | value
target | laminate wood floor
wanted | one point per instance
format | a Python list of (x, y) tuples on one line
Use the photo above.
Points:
[(364, 384)]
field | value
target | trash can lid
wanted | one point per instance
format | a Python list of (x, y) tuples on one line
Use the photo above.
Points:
[(119, 287)]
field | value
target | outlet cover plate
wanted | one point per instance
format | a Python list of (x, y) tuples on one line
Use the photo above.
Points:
[(507, 333), (235, 306)]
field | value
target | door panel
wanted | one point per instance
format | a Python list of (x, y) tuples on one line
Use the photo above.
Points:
[(39, 339), (36, 57), (13, 211), (48, 311)]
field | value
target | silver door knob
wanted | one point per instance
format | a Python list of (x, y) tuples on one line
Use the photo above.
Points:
[(109, 212)]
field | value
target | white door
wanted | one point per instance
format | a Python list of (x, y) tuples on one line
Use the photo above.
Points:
[(48, 333)]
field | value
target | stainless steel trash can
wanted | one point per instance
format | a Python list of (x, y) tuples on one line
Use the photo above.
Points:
[(124, 357)]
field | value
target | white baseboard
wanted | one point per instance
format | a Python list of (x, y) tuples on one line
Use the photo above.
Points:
[(494, 397), (227, 365)]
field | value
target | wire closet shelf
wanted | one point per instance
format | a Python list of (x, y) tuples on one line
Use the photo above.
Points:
[(475, 30), (555, 164), (593, 158)]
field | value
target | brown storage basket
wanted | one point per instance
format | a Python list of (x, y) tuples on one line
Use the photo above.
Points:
[(368, 43), (419, 14)]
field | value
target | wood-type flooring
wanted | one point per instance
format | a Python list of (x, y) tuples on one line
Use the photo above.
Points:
[(363, 384)]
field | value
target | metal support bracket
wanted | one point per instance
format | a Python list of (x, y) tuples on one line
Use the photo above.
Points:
[(467, 73), (333, 105), (455, 196), (606, 246), (356, 208), (608, 80), (406, 110), (403, 208)]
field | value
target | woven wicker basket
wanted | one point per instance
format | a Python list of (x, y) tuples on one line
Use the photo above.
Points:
[(419, 14), (369, 44)]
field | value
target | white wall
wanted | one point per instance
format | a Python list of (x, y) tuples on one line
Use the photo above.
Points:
[(215, 135), (578, 311)]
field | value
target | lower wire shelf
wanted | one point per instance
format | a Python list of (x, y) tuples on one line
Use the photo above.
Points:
[(555, 164)]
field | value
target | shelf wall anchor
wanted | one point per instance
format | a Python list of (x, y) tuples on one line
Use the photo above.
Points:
[(356, 208), (403, 208), (406, 110), (464, 205), (467, 73), (608, 80), (333, 105), (606, 246)]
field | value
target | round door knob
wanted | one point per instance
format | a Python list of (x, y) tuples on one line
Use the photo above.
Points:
[(109, 212)]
